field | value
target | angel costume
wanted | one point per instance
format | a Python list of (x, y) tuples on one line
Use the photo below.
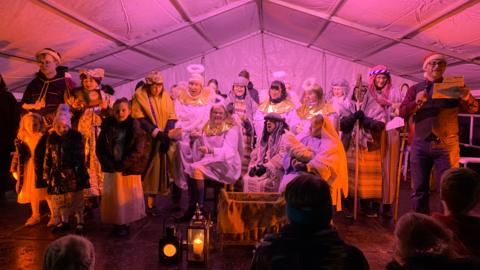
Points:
[(192, 115), (282, 106)]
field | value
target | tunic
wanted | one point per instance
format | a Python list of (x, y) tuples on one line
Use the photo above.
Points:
[(154, 112)]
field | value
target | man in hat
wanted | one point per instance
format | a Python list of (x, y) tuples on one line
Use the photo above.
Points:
[(265, 170), (50, 87), (436, 128)]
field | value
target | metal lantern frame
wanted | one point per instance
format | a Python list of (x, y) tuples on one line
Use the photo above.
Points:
[(198, 239)]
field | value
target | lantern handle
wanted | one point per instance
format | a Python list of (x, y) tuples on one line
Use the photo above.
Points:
[(171, 217)]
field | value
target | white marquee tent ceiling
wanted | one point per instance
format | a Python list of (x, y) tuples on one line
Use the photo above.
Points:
[(130, 37)]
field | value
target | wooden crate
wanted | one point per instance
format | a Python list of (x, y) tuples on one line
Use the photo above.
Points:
[(245, 218)]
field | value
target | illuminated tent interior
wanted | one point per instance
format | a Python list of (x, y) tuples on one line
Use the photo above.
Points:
[(325, 39)]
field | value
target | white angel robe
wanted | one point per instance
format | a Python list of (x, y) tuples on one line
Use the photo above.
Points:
[(224, 164), (192, 115)]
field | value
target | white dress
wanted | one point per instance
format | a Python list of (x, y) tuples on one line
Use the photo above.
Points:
[(122, 199), (224, 164), (192, 114)]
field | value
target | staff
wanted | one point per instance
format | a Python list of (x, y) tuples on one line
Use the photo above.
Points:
[(358, 88)]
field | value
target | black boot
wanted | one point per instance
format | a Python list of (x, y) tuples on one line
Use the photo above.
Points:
[(387, 211), (176, 198), (196, 190)]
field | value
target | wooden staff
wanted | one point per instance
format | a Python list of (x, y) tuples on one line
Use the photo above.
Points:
[(358, 89), (403, 137)]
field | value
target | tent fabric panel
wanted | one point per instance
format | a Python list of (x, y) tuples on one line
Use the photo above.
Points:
[(289, 23), (196, 8), (320, 6), (392, 17), (15, 72), (403, 58), (233, 24), (128, 64), (27, 28), (459, 33), (128, 19), (347, 41), (178, 46)]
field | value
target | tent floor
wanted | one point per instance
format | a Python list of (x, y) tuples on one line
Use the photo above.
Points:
[(23, 248)]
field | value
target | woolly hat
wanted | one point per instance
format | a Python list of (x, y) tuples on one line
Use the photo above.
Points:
[(244, 73), (274, 117), (196, 70), (432, 56), (50, 52), (154, 77), (97, 74), (241, 81), (63, 115)]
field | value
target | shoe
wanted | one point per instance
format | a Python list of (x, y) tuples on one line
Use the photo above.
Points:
[(347, 213), (371, 212), (33, 220), (61, 227), (387, 211), (51, 222), (79, 230)]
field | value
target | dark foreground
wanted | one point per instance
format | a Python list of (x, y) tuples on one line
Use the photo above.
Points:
[(22, 247)]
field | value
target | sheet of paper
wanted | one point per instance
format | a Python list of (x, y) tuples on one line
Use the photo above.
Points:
[(395, 123), (449, 88)]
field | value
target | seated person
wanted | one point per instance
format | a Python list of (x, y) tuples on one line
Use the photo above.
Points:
[(266, 164), (69, 252), (320, 153), (309, 241), (460, 194), (313, 104), (215, 154), (423, 243)]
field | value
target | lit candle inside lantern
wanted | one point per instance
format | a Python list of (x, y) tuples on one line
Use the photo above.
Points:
[(197, 246)]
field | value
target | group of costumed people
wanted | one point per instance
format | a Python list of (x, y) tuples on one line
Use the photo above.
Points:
[(77, 144)]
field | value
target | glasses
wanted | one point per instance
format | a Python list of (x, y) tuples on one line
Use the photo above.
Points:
[(439, 63)]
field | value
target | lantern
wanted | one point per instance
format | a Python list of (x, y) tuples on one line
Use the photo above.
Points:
[(169, 249), (198, 235)]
